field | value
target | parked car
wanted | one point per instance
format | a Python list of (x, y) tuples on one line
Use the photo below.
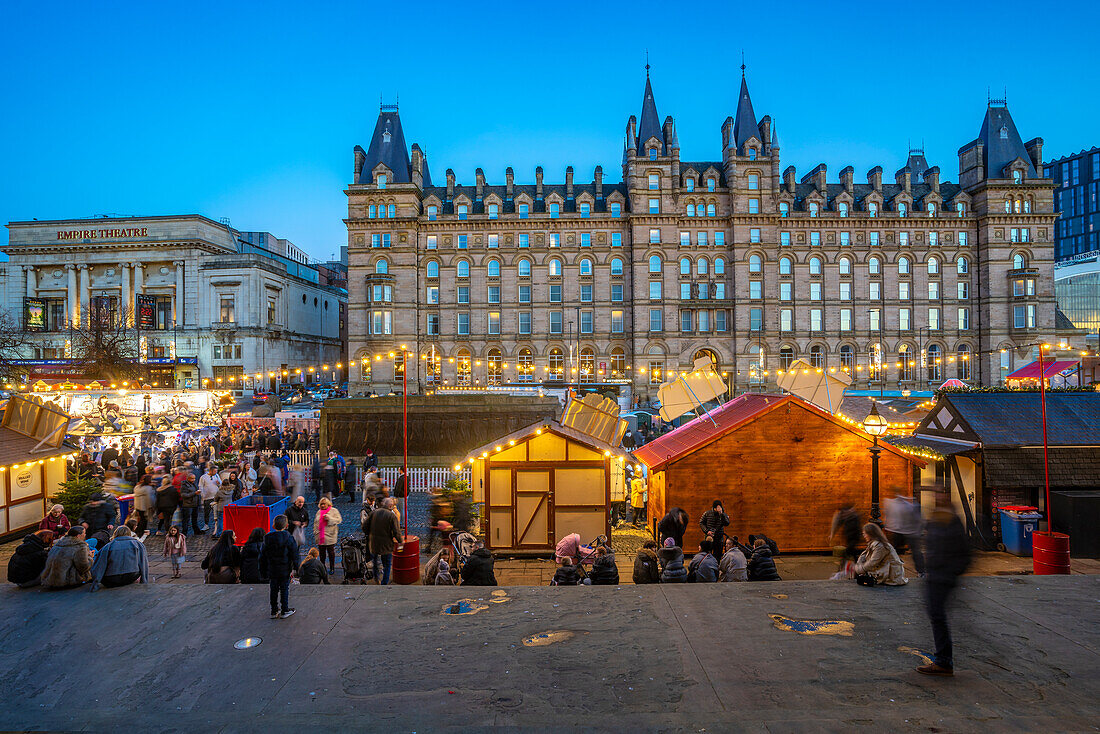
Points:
[(260, 397)]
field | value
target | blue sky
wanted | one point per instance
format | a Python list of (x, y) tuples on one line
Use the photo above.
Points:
[(250, 111)]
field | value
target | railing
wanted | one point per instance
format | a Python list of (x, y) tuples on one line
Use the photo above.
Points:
[(422, 479)]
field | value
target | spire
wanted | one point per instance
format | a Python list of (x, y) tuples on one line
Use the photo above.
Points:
[(745, 125), (1001, 143), (775, 136), (650, 124), (387, 146)]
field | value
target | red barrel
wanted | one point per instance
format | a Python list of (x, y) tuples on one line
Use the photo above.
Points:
[(406, 562), (1049, 553)]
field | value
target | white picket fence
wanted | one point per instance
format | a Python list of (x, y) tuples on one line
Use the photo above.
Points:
[(305, 458), (422, 479)]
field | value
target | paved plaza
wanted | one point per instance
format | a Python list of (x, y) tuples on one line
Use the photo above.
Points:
[(671, 658)]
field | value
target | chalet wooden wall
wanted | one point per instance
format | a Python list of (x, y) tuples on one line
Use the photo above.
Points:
[(783, 474)]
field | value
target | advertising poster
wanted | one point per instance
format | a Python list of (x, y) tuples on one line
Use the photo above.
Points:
[(34, 310), (147, 311)]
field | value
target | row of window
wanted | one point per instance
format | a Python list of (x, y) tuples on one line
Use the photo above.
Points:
[(813, 319), (874, 290), (556, 323), (878, 367), (523, 210)]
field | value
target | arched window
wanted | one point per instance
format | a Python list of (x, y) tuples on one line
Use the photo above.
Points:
[(874, 265), (817, 357), (784, 265), (1018, 261), (655, 263), (463, 269), (685, 266), (934, 358), (493, 267), (842, 208), (847, 358), (905, 359), (618, 362), (786, 356), (814, 208), (933, 266), (373, 212), (462, 367), (616, 266), (719, 266), (962, 362), (381, 211), (815, 265), (554, 267), (702, 266), (1017, 206), (433, 269), (691, 210), (523, 268), (556, 362), (494, 369), (586, 266), (525, 366), (903, 265), (872, 209), (381, 267), (392, 210), (962, 266), (710, 210), (1027, 205), (845, 266), (1008, 206), (903, 209), (931, 209), (587, 364)]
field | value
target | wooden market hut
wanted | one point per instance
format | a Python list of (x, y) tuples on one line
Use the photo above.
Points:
[(32, 461), (780, 465), (543, 482)]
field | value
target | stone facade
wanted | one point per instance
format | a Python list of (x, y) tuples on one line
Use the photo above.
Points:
[(902, 284), (224, 308)]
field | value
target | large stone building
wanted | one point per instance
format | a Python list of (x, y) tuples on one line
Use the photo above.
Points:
[(903, 284), (218, 304), (1076, 180)]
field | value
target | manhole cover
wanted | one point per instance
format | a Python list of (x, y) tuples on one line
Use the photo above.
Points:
[(247, 643)]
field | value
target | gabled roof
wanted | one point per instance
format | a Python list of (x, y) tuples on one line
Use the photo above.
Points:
[(650, 124), (1001, 143), (1015, 418), (730, 417), (387, 146), (745, 125), (549, 426)]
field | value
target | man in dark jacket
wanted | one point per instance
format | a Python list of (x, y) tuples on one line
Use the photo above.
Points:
[(385, 536), (946, 557), (189, 504), (712, 523), (604, 570), (478, 570), (761, 567), (278, 559), (673, 525), (26, 564), (98, 515), (297, 516)]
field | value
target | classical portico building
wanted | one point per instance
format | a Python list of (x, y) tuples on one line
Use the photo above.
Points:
[(209, 303), (901, 283)]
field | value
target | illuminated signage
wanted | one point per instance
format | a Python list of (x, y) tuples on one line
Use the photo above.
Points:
[(147, 311)]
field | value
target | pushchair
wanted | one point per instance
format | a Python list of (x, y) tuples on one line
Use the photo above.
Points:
[(582, 555), (353, 553)]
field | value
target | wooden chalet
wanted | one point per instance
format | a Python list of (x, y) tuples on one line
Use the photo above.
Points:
[(780, 465)]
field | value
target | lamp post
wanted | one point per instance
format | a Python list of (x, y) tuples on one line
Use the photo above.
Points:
[(875, 425)]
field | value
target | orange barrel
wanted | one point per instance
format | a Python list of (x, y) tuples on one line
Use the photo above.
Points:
[(406, 562), (1049, 553)]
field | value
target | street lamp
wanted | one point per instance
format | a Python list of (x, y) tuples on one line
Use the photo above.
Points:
[(875, 425)]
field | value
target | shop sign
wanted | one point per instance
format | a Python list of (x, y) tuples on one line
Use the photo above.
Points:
[(102, 234)]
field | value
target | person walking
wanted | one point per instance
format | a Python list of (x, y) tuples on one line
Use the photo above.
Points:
[(168, 499), (278, 559), (189, 504), (145, 499), (326, 527), (903, 525), (298, 518), (385, 536), (637, 500), (209, 484), (846, 522), (946, 557), (175, 549), (712, 523)]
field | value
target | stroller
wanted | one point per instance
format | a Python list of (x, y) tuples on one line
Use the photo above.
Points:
[(353, 551), (582, 555), (462, 545)]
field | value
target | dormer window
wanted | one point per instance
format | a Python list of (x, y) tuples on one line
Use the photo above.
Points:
[(380, 179), (710, 184), (462, 211), (931, 209), (523, 210), (752, 154), (554, 210), (960, 207), (586, 209), (872, 209), (652, 154), (903, 209), (689, 184), (784, 209), (433, 211), (616, 209), (1004, 132), (814, 209), (1017, 176), (386, 136), (842, 208), (493, 211)]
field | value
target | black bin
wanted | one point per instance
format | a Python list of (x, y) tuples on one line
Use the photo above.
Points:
[(1077, 514)]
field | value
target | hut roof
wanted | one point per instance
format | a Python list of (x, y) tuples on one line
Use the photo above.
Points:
[(528, 432)]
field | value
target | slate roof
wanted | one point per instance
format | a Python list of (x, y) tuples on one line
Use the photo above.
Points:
[(857, 408), (945, 448), (1007, 419), (948, 191), (1077, 467), (508, 206), (917, 164), (649, 126), (1001, 142), (387, 146), (700, 167), (745, 125)]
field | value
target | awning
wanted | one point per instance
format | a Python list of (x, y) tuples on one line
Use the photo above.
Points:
[(1050, 369)]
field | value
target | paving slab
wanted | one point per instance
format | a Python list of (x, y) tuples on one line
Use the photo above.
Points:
[(649, 658)]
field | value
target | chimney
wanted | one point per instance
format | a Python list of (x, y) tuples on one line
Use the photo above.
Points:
[(480, 175), (727, 133), (846, 175), (904, 179), (509, 182), (788, 178), (932, 178), (450, 184), (874, 177), (766, 131), (569, 182), (538, 182), (360, 159), (816, 177), (417, 165), (632, 135), (599, 182), (1034, 149)]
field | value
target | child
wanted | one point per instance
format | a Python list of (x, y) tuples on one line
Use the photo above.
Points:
[(443, 575), (175, 547)]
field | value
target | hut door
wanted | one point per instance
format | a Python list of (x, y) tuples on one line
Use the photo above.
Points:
[(533, 511)]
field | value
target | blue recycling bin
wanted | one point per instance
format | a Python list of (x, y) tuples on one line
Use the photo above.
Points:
[(1017, 524)]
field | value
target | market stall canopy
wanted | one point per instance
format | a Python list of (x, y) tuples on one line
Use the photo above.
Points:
[(691, 390), (1050, 369), (954, 383), (597, 416), (43, 422), (815, 385)]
